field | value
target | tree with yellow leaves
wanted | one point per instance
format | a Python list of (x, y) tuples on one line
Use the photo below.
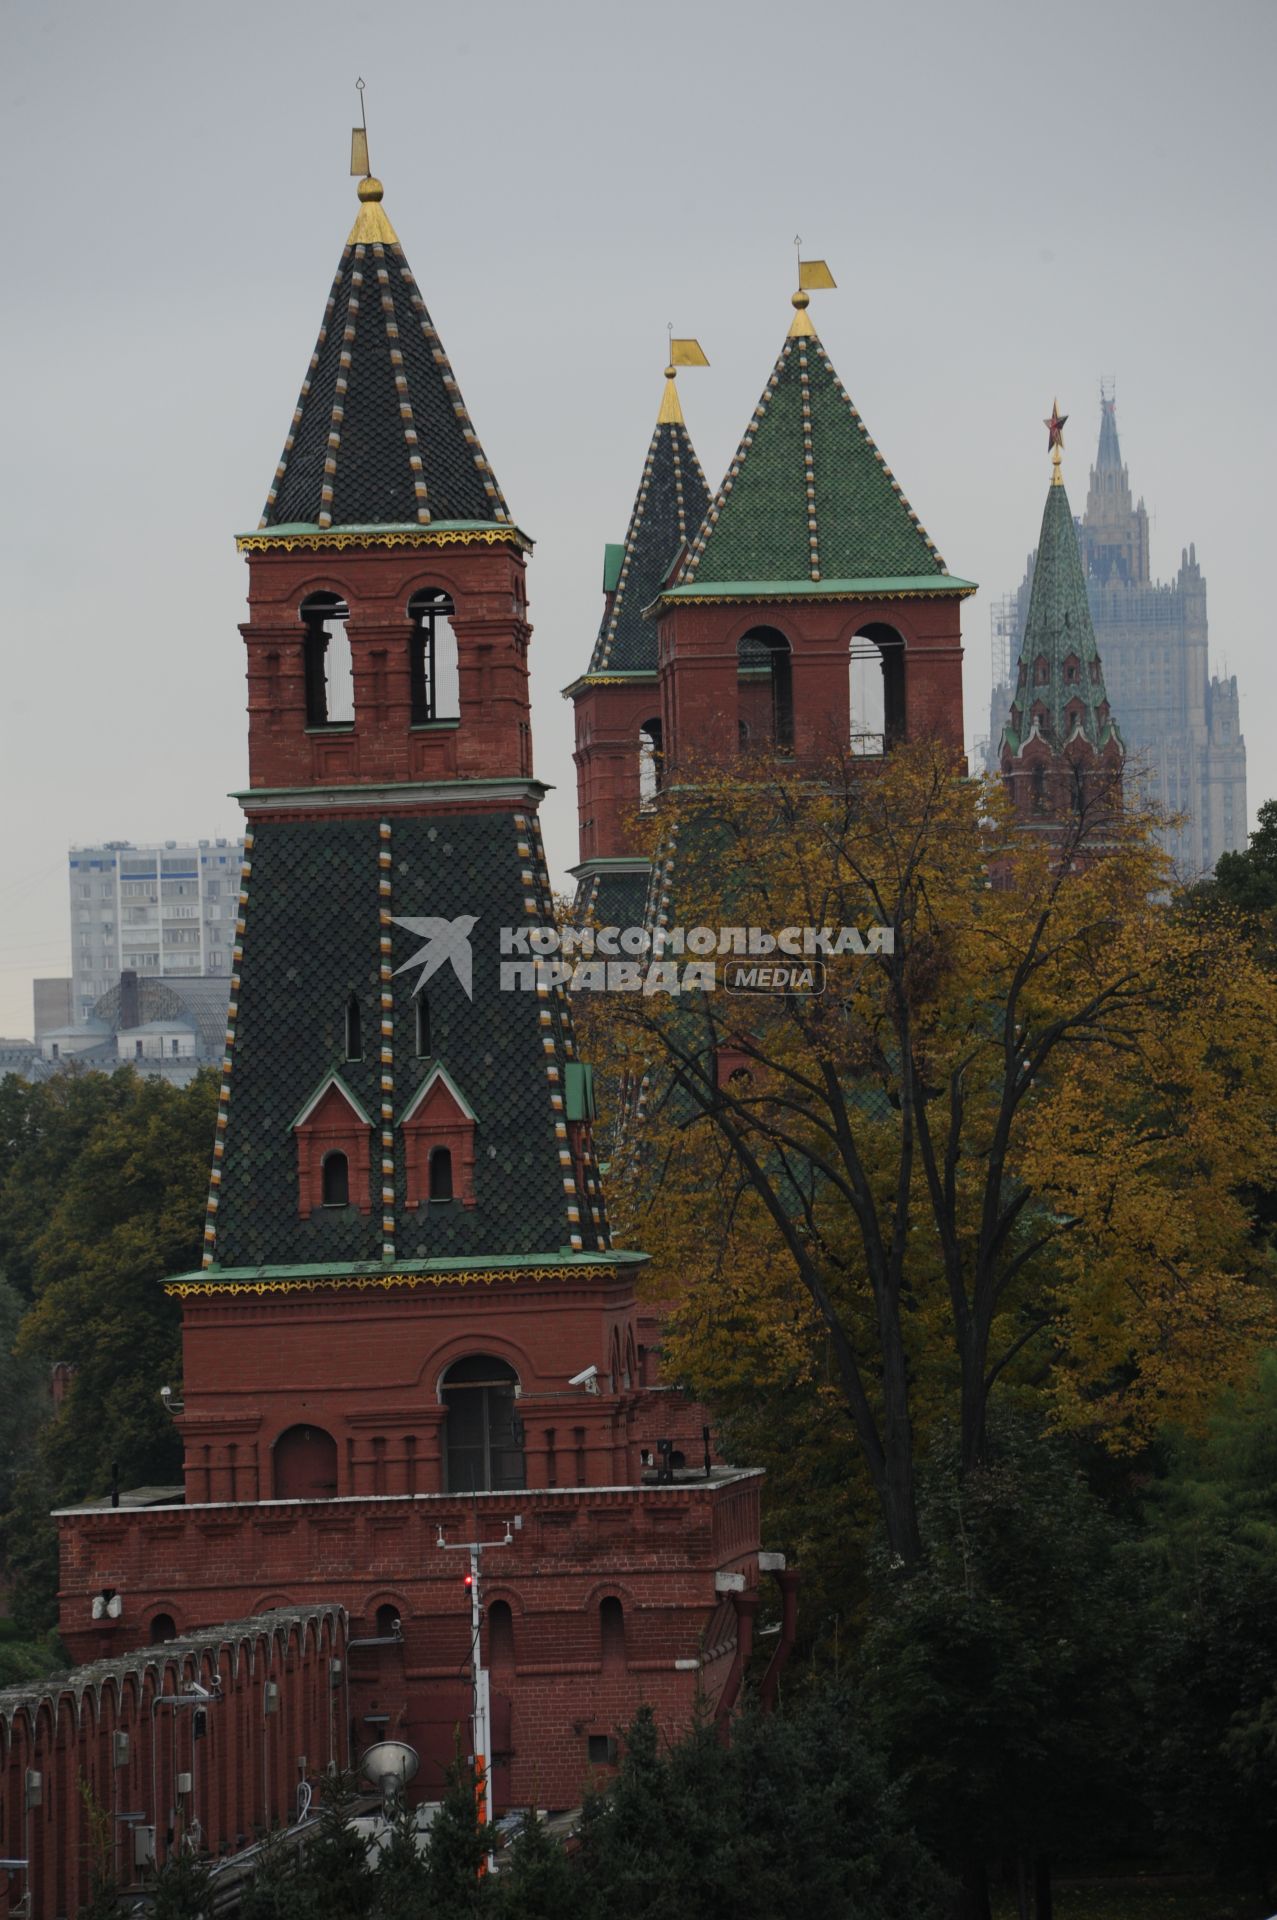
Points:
[(1005, 1141)]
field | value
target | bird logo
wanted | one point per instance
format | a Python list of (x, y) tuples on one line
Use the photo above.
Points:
[(446, 940)]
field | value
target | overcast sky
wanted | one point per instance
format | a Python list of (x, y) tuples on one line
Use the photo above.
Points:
[(1015, 200)]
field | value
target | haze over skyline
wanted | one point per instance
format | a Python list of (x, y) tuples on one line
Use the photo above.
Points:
[(1009, 214)]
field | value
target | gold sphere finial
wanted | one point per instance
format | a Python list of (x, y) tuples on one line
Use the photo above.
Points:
[(671, 372), (801, 299), (370, 188)]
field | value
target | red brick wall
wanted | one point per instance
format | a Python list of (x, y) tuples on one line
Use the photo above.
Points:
[(245, 1768)]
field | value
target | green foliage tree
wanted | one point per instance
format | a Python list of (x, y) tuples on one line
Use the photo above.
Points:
[(1248, 879), (401, 1873), (1212, 1661), (279, 1889), (538, 1881), (455, 1884), (997, 1677), (183, 1889), (336, 1875)]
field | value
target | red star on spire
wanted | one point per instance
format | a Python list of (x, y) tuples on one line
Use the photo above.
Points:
[(1055, 427)]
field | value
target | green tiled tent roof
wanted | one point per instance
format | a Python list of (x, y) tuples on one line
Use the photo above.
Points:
[(809, 498), (669, 506), (1058, 629)]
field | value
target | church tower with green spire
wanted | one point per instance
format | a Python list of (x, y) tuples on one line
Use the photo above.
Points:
[(1061, 751)]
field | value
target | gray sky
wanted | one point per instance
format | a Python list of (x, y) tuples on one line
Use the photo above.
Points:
[(1014, 199)]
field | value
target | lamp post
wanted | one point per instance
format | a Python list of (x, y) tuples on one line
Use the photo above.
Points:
[(482, 1710)]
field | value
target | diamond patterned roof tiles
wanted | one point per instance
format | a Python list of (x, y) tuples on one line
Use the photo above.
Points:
[(808, 497), (380, 435), (670, 504)]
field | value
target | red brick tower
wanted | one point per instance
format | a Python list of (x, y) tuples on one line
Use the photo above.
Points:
[(810, 613), (1061, 753), (411, 1328), (619, 743)]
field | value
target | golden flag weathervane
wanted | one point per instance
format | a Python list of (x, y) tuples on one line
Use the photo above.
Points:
[(359, 139), (683, 353), (813, 277)]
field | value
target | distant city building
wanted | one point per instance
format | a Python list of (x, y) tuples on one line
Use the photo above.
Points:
[(1181, 725), (166, 1029), (51, 1005), (166, 912)]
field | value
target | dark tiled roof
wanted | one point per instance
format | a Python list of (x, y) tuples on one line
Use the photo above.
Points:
[(670, 504), (312, 930), (606, 899), (808, 495), (1059, 625), (380, 435)]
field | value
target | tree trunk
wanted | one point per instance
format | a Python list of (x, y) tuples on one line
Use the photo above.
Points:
[(973, 1894), (1044, 1905)]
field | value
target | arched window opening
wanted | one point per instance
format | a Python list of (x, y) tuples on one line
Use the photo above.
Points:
[(501, 1637), (484, 1432), (336, 1187), (432, 660), (441, 1174), (1041, 671), (877, 690), (423, 1027), (612, 1632), (354, 1030), (163, 1627), (304, 1465), (330, 685), (765, 689), (388, 1622), (1038, 789), (649, 763)]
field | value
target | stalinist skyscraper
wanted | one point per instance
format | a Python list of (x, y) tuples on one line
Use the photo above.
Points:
[(1181, 725)]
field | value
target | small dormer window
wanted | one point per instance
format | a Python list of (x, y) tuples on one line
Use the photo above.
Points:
[(423, 1027), (354, 1030), (441, 1174), (1072, 669), (1041, 671), (336, 1187)]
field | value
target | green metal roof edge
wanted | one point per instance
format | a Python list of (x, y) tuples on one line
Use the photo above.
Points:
[(379, 1269), (904, 586), (490, 783), (612, 863)]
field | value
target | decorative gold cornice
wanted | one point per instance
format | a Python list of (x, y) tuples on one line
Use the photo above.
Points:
[(337, 539), (361, 1282)]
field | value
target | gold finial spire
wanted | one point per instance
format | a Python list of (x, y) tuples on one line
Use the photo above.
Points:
[(1055, 441), (683, 353), (372, 223), (812, 274)]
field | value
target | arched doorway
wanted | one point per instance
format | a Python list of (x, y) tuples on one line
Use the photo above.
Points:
[(765, 691), (877, 691), (484, 1432), (304, 1465)]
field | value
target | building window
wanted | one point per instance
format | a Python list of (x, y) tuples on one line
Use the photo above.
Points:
[(354, 1035), (432, 660), (501, 1637), (330, 700), (163, 1627), (612, 1633), (441, 1174), (336, 1188), (484, 1433), (388, 1622), (600, 1749), (304, 1465), (423, 1027), (765, 690), (649, 763)]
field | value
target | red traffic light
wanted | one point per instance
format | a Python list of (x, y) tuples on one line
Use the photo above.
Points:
[(468, 1582)]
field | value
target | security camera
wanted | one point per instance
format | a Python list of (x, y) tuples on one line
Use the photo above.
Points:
[(166, 1394), (587, 1378)]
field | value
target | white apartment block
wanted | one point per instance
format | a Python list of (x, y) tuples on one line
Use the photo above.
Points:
[(166, 911)]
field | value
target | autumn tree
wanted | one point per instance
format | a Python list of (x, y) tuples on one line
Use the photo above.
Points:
[(1004, 1141)]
